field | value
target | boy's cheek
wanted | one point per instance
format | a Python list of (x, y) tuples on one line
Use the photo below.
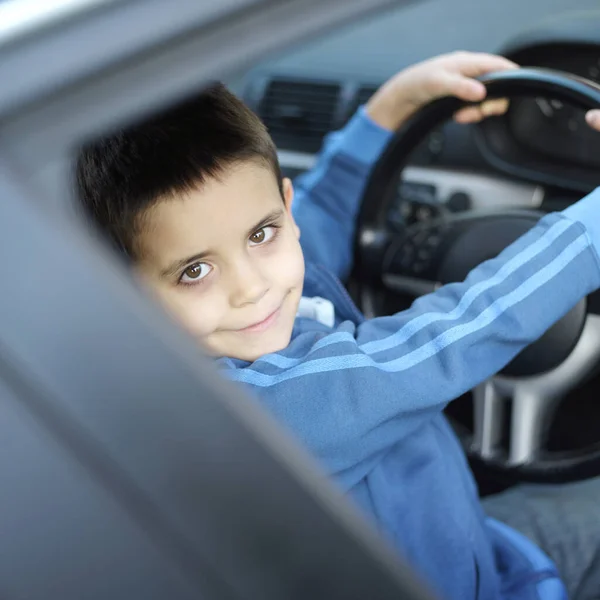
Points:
[(198, 318), (288, 266)]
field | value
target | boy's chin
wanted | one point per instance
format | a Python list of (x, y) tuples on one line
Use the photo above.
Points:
[(250, 350), (250, 354)]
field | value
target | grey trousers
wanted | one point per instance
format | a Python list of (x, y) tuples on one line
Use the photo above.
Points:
[(564, 521)]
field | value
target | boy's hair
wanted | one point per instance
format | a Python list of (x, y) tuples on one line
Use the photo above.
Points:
[(120, 176)]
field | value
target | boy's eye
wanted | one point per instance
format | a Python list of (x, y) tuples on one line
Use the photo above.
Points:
[(262, 235), (195, 273)]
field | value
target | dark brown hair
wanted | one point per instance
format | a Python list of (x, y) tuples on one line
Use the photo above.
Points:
[(122, 175)]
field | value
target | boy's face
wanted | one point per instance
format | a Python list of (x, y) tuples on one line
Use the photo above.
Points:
[(226, 261)]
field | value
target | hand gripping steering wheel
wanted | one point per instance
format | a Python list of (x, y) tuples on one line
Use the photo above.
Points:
[(445, 249)]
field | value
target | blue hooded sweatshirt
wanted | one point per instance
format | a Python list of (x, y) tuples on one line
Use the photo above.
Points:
[(366, 396)]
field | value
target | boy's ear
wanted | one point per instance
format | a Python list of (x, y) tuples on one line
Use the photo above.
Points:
[(288, 192), (288, 198)]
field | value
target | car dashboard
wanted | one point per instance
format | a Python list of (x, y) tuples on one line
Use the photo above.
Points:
[(540, 155)]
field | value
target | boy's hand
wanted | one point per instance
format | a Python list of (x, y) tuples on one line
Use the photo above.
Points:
[(593, 119), (446, 75)]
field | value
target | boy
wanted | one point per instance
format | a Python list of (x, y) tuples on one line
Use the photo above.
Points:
[(195, 199)]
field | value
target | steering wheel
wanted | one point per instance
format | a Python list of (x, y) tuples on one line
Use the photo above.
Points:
[(418, 258)]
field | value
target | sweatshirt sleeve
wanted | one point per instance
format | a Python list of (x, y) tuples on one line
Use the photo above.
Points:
[(328, 196), (352, 394)]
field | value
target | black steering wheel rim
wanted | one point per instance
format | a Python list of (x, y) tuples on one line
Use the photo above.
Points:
[(566, 87), (381, 190)]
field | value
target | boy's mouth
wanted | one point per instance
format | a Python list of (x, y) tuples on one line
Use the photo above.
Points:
[(263, 325)]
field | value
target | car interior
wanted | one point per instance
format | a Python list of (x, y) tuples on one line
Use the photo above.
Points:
[(538, 157), (131, 469)]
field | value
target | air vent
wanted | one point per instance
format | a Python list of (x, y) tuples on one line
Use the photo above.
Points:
[(361, 97), (299, 113), (364, 95)]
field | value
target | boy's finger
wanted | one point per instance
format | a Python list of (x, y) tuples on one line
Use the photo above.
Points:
[(593, 119), (496, 107), (474, 64), (470, 114), (462, 87), (474, 114)]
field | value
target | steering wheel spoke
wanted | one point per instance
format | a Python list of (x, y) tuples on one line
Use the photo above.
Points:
[(489, 409), (534, 399), (531, 413)]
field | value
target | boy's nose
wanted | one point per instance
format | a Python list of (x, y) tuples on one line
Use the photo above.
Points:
[(248, 285)]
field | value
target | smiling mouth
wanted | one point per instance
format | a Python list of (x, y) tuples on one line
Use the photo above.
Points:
[(264, 324)]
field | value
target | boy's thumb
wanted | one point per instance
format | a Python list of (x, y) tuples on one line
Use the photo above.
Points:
[(593, 118)]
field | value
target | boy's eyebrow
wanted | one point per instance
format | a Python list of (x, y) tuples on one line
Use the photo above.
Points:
[(270, 218), (179, 264)]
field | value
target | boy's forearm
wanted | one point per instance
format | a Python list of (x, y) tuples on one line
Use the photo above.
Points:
[(587, 212), (464, 333), (328, 197)]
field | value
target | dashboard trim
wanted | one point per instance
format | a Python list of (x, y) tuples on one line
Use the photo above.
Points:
[(485, 191)]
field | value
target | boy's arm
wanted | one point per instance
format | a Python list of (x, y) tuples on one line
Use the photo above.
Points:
[(353, 394), (328, 197)]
